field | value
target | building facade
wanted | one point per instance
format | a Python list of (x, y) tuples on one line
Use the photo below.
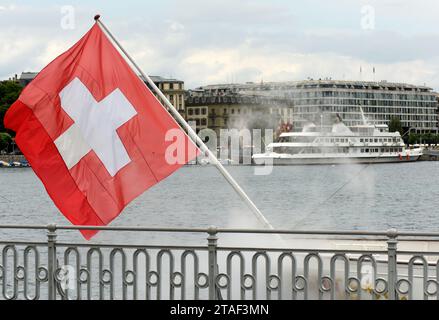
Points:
[(227, 107), (26, 78), (321, 101), (173, 89), (415, 106)]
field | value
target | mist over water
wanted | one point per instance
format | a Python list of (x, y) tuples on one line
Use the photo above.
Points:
[(377, 197)]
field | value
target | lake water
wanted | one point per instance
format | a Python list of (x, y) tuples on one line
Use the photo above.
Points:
[(374, 198)]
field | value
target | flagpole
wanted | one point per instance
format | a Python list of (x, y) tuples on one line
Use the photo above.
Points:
[(192, 134)]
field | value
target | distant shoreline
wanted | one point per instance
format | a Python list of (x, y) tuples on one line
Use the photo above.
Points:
[(12, 158)]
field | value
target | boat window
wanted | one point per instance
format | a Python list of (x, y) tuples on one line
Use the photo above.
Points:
[(361, 140), (376, 140), (367, 150)]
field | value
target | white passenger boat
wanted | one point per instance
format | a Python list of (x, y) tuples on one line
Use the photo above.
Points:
[(365, 143)]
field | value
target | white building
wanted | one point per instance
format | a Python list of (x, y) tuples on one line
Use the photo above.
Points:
[(320, 101)]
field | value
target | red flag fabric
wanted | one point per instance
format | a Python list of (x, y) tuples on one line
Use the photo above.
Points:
[(93, 133)]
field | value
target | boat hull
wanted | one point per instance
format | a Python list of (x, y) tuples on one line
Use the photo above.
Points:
[(333, 160)]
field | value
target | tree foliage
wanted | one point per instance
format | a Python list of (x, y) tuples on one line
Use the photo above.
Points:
[(9, 92), (395, 126), (5, 140), (426, 138)]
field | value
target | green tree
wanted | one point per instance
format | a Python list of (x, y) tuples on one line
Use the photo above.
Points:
[(427, 138), (395, 125), (9, 92), (413, 138), (5, 140)]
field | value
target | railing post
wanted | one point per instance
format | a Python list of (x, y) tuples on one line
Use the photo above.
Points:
[(51, 261), (212, 243), (392, 263)]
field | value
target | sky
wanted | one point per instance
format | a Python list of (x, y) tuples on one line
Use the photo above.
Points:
[(222, 41)]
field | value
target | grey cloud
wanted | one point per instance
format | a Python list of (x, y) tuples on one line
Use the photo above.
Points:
[(264, 39)]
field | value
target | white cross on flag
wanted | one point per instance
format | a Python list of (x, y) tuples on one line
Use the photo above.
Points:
[(93, 132), (94, 127)]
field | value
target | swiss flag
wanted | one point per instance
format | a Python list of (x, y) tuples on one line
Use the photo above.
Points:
[(94, 134)]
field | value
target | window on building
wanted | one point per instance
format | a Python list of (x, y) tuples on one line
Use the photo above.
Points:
[(190, 111), (171, 86), (197, 111), (203, 122), (203, 111)]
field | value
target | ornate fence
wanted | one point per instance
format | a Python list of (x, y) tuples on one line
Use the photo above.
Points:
[(326, 265)]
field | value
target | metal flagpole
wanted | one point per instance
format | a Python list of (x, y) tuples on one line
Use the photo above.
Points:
[(192, 134)]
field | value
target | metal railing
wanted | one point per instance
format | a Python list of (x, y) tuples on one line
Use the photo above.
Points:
[(295, 265)]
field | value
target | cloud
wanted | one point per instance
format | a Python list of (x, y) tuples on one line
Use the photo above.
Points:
[(205, 42), (175, 26), (239, 64)]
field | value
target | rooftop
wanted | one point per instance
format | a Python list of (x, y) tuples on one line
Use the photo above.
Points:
[(28, 75), (326, 83), (159, 79), (156, 79)]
